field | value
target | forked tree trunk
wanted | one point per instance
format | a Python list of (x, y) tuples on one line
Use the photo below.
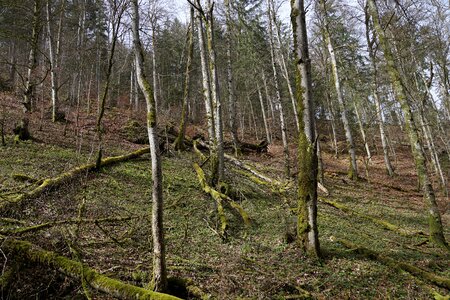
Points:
[(159, 280), (307, 157), (434, 216)]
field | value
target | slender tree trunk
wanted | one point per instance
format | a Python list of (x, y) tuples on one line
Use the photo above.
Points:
[(159, 280), (287, 168), (154, 70), (54, 48), (307, 231), (353, 172), (434, 216), (215, 96), (376, 96), (179, 143), (230, 81), (269, 101), (363, 133), (32, 57), (282, 61), (263, 111), (205, 81)]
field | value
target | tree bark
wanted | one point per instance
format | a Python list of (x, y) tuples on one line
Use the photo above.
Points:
[(159, 280), (307, 232)]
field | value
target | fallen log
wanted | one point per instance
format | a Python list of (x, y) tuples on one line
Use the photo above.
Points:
[(382, 223), (34, 228), (71, 268), (415, 271), (53, 182)]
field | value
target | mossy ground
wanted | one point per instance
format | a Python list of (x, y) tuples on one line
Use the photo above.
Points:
[(253, 262)]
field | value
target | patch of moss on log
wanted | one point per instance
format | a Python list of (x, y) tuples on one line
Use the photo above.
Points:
[(77, 270)]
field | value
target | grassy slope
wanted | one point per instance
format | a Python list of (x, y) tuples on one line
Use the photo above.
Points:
[(254, 262)]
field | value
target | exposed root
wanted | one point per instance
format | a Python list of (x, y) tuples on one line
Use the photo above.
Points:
[(77, 270)]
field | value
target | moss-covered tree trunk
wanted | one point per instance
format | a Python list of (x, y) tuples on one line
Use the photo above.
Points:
[(434, 216), (206, 83), (307, 151), (159, 280)]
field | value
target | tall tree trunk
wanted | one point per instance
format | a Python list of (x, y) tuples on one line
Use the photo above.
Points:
[(434, 216), (215, 96), (353, 172), (32, 57), (230, 81), (363, 133), (282, 61), (279, 105), (205, 81), (179, 142), (263, 111), (376, 96), (117, 13), (154, 69), (54, 48), (307, 150), (159, 280)]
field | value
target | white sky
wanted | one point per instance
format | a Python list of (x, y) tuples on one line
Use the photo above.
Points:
[(182, 10)]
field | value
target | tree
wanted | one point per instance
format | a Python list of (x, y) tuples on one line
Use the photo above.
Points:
[(307, 150), (434, 216), (353, 172), (159, 280)]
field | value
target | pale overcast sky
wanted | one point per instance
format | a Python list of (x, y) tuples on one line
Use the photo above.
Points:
[(182, 9)]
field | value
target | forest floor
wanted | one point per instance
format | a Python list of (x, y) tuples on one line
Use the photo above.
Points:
[(258, 261)]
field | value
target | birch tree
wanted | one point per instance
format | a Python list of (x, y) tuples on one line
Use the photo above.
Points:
[(159, 280)]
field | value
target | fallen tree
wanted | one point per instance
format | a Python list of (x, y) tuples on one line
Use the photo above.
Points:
[(75, 269), (415, 271), (382, 223), (53, 182), (34, 228)]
